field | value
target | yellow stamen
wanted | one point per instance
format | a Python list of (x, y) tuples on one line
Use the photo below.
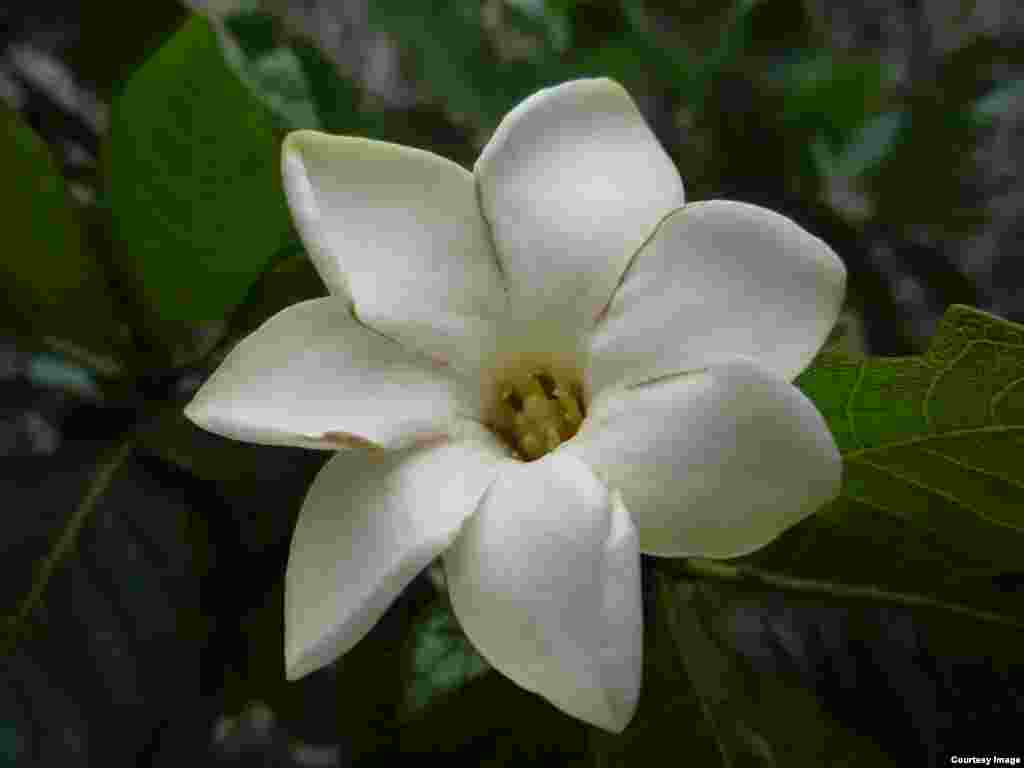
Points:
[(536, 412)]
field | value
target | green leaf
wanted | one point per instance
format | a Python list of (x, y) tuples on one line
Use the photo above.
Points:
[(938, 437), (115, 597), (831, 97), (998, 102), (733, 40), (337, 99), (931, 514), (439, 658), (870, 145), (757, 718), (455, 60), (53, 285), (690, 77), (195, 192), (550, 20), (288, 73), (290, 280), (273, 71), (64, 544)]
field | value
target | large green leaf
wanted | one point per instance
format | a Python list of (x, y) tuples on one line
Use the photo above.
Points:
[(932, 507), (195, 191), (96, 600), (757, 718), (53, 284)]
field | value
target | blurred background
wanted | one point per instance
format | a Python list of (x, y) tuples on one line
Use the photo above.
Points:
[(894, 131)]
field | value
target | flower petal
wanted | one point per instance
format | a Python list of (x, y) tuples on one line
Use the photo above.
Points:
[(366, 528), (572, 182), (545, 580), (312, 376), (715, 463), (396, 229), (719, 280)]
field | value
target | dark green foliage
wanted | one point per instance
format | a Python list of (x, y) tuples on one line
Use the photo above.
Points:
[(192, 154), (53, 282)]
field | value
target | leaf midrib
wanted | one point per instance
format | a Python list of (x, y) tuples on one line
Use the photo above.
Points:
[(991, 429)]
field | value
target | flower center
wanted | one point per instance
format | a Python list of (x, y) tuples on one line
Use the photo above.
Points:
[(536, 412)]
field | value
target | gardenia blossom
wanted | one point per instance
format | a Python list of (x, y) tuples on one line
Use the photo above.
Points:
[(537, 370)]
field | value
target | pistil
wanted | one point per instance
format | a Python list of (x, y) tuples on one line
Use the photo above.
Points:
[(537, 412)]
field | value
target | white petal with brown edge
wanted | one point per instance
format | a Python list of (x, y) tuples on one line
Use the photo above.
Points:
[(312, 376), (368, 526)]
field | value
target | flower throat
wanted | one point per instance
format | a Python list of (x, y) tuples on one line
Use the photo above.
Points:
[(536, 412)]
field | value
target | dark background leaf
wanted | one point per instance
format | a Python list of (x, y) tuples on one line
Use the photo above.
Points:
[(102, 660), (192, 151), (758, 717), (54, 285)]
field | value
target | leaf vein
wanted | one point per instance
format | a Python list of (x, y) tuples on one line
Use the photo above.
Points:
[(998, 396), (874, 504), (991, 429), (848, 409), (736, 572), (974, 468), (939, 374), (917, 484)]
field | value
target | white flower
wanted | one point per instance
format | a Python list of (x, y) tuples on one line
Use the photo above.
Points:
[(551, 365)]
